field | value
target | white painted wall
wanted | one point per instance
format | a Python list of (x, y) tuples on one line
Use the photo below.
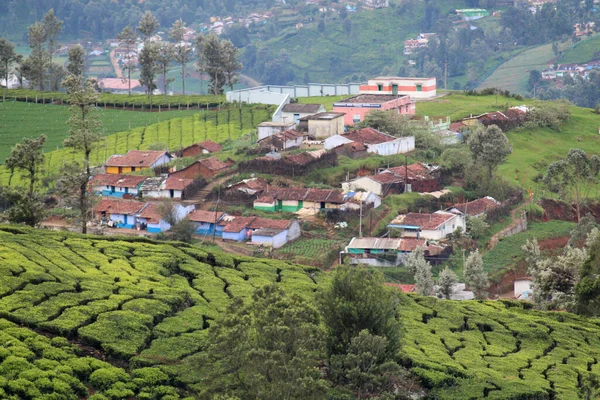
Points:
[(521, 286), (399, 146), (334, 141), (364, 183), (163, 160)]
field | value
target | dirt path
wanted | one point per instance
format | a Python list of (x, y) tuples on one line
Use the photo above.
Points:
[(115, 64), (516, 220), (200, 197)]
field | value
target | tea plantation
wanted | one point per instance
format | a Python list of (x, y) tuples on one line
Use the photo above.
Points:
[(117, 318)]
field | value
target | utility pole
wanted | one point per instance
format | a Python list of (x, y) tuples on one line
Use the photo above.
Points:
[(446, 74), (360, 221), (216, 213), (405, 174)]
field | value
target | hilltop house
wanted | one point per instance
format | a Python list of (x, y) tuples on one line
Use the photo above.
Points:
[(136, 160), (296, 199), (381, 252), (435, 124), (415, 88), (170, 187), (357, 107), (205, 168), (376, 142), (286, 140), (206, 147), (123, 213), (116, 185), (434, 226), (292, 112), (151, 217), (470, 14), (419, 177), (265, 231), (476, 208), (322, 125), (207, 222)]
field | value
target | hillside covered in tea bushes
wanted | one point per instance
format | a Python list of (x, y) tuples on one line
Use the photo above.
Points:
[(116, 318)]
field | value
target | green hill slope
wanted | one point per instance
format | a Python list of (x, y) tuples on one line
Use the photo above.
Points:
[(146, 306), (583, 51)]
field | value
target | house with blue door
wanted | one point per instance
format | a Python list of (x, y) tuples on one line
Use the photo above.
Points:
[(152, 220), (261, 231), (121, 213), (116, 185), (207, 222)]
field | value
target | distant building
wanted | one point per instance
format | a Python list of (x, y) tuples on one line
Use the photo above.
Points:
[(267, 129), (416, 88), (470, 14), (375, 141), (123, 213), (292, 112), (476, 208), (381, 252), (205, 168), (171, 187), (262, 231), (435, 226), (206, 147), (376, 3), (116, 185), (419, 177), (118, 85), (286, 140), (357, 107), (152, 218), (523, 288), (322, 125), (136, 160)]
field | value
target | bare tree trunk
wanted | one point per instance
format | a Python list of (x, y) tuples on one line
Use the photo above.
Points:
[(82, 207), (183, 77)]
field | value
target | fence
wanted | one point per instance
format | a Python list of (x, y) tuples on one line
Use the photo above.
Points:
[(516, 227), (310, 90)]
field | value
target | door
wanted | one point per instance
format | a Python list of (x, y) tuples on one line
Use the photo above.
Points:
[(171, 193), (112, 189), (395, 90), (279, 206), (419, 88), (126, 190), (125, 220)]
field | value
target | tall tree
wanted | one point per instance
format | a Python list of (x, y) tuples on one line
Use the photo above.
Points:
[(39, 57), (231, 65), (183, 52), (148, 25), (423, 277), (164, 59), (84, 133), (73, 184), (355, 301), (489, 147), (148, 57), (475, 276), (76, 61), (7, 58), (573, 177), (55, 74), (213, 63), (53, 27), (127, 39), (268, 349), (200, 60), (556, 278), (27, 157), (446, 281)]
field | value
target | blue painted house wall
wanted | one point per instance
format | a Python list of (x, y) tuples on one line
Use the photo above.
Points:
[(206, 228), (237, 236), (123, 221), (274, 241)]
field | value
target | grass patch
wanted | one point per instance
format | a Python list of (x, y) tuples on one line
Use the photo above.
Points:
[(582, 52)]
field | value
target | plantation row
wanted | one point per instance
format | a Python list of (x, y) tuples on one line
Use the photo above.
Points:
[(139, 301), (140, 102), (498, 350), (176, 133)]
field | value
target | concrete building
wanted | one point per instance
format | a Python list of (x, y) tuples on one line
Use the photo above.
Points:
[(267, 129), (151, 217), (207, 222), (523, 287), (376, 3), (380, 184), (136, 160), (434, 226), (322, 125), (292, 112), (357, 107), (381, 252), (420, 178), (116, 185), (286, 140), (375, 141), (123, 213), (470, 14), (415, 88)]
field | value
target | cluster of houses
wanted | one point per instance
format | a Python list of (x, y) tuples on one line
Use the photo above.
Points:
[(419, 42), (562, 70)]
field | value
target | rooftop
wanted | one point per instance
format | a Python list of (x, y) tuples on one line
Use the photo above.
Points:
[(125, 181), (478, 206), (301, 108), (423, 221), (152, 213), (374, 243), (369, 99), (369, 136), (277, 124), (268, 232), (174, 183), (135, 158), (404, 78), (324, 116), (205, 216), (213, 164), (209, 145), (117, 206)]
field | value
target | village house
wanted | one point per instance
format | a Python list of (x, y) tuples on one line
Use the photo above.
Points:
[(292, 112), (381, 252), (206, 147), (281, 141), (435, 226), (248, 187), (434, 124), (420, 178), (420, 42), (116, 185), (207, 222), (376, 142), (121, 213), (169, 187), (205, 168), (267, 128), (523, 288), (117, 85), (415, 88), (136, 160), (261, 231), (311, 200), (471, 14), (376, 3), (357, 107), (476, 208), (322, 125), (153, 221)]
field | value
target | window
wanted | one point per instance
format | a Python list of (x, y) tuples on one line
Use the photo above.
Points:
[(380, 87), (419, 88)]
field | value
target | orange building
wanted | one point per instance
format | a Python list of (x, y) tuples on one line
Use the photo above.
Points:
[(416, 88), (136, 160)]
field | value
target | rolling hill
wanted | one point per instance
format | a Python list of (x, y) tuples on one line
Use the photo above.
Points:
[(128, 318)]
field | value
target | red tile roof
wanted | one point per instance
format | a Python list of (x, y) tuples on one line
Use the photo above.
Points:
[(456, 126), (267, 223), (424, 221), (205, 216), (300, 159), (118, 206), (386, 177), (135, 158), (415, 172), (410, 244), (209, 145), (369, 136), (405, 288), (301, 108), (238, 224), (128, 181), (213, 164), (324, 195), (478, 206), (152, 213), (290, 134), (174, 183)]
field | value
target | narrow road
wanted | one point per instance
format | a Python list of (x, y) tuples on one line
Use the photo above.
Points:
[(516, 220), (200, 197), (115, 64)]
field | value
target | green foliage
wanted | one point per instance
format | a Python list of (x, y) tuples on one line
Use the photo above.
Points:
[(477, 226)]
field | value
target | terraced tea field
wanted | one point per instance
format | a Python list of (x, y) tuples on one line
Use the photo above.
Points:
[(143, 308)]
